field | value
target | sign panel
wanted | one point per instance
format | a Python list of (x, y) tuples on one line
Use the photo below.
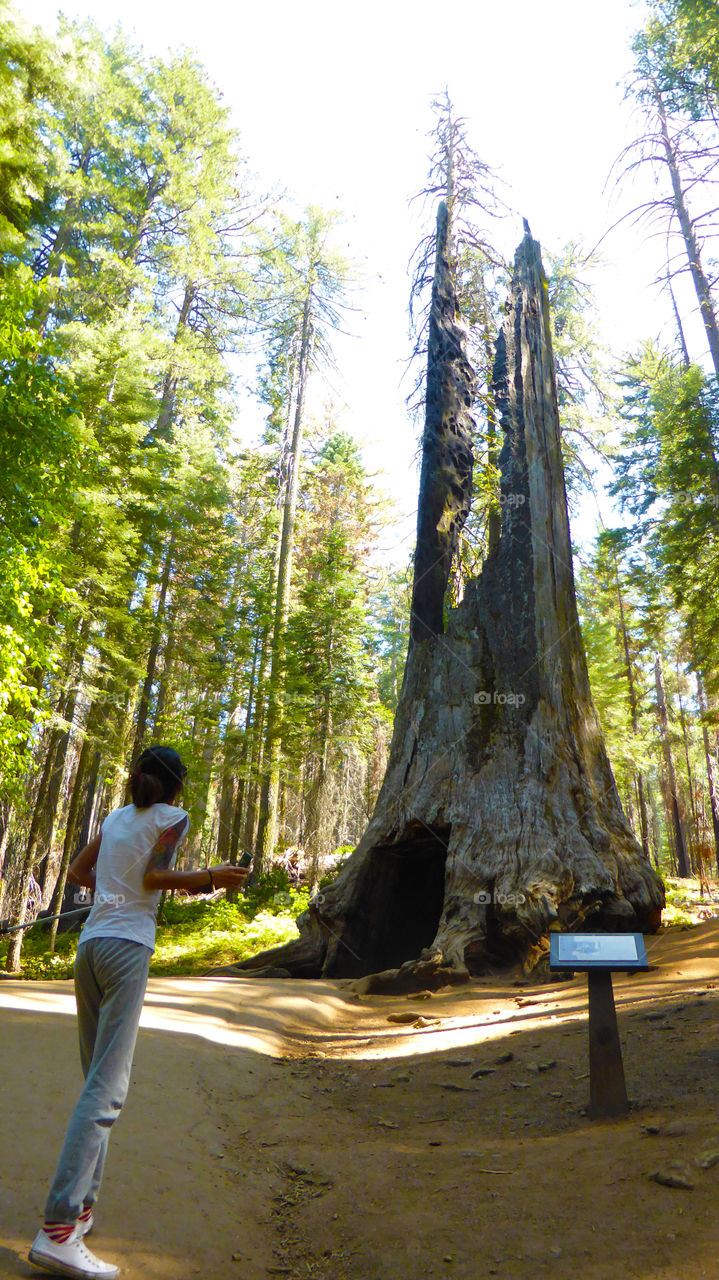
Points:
[(580, 951)]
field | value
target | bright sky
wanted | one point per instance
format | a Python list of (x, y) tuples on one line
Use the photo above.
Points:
[(333, 101)]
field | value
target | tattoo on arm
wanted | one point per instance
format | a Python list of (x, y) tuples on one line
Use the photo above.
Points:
[(164, 847)]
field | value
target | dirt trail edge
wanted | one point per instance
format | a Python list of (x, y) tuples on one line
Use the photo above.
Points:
[(291, 1129)]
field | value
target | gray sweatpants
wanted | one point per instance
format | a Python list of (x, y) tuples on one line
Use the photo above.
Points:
[(110, 981)]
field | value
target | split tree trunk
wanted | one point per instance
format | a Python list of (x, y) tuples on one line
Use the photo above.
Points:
[(499, 817)]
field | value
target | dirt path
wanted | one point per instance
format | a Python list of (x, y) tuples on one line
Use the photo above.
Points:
[(289, 1129)]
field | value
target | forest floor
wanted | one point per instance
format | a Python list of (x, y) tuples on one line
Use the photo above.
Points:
[(297, 1129)]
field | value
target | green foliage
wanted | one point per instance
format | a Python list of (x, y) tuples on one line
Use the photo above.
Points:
[(668, 478), (299, 272), (188, 952), (345, 851), (199, 935), (586, 391), (192, 935), (328, 640), (391, 609), (685, 905), (614, 634), (679, 46), (43, 450)]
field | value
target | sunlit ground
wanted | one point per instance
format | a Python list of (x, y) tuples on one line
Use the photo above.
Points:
[(329, 1018), (265, 1072)]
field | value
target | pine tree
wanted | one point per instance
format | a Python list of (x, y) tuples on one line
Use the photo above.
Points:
[(305, 280)]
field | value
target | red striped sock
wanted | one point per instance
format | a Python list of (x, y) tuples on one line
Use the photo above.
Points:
[(60, 1232), (86, 1214)]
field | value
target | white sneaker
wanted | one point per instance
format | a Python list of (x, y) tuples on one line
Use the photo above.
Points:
[(84, 1228), (70, 1259)]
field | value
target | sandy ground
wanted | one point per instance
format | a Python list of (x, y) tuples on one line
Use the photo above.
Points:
[(289, 1129)]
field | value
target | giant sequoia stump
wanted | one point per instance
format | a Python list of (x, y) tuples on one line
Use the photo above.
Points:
[(499, 816)]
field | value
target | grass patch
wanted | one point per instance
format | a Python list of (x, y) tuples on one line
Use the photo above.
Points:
[(685, 906), (199, 936)]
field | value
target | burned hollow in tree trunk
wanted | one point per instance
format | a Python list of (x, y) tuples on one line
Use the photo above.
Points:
[(498, 818)]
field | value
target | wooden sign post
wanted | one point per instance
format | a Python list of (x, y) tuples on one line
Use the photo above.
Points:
[(599, 954)]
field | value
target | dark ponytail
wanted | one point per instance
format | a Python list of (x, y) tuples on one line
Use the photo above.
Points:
[(157, 777), (145, 789)]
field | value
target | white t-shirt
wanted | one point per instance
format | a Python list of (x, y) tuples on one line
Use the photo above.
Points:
[(122, 908)]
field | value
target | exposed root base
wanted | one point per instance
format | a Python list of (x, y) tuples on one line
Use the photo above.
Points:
[(236, 971), (414, 975), (308, 957)]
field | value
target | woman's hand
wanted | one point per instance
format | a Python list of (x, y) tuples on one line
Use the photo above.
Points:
[(226, 876)]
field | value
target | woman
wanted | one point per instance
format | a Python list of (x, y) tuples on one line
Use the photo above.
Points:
[(127, 865)]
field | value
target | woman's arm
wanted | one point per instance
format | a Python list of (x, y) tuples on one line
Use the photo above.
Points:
[(218, 877), (159, 876), (82, 867)]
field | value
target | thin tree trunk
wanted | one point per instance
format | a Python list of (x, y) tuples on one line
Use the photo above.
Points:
[(163, 424), (710, 767), (45, 803), (651, 794), (680, 327), (634, 710), (267, 829), (669, 825), (5, 812), (164, 681), (143, 709), (683, 868), (85, 775), (243, 790), (694, 834), (49, 797), (318, 800), (699, 278)]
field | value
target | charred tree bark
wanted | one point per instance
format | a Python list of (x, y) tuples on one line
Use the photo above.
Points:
[(445, 486), (499, 817)]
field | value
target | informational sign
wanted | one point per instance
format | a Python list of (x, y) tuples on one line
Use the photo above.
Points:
[(580, 951), (598, 954)]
